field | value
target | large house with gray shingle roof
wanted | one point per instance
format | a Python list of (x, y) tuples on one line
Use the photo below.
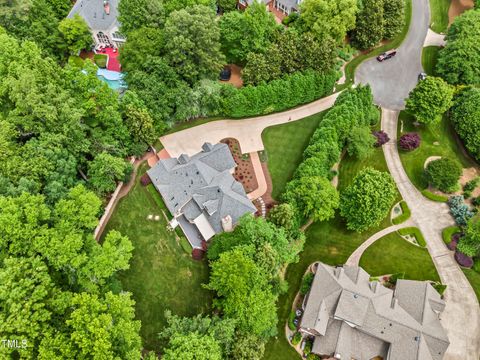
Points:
[(201, 193), (101, 17), (351, 317)]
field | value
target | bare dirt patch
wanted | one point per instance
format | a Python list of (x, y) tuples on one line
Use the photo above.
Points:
[(458, 7), (236, 77)]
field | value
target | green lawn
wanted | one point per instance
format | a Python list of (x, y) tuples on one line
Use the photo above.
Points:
[(439, 15), (162, 275), (474, 278), (392, 254), (285, 145), (429, 59), (437, 140), (329, 242)]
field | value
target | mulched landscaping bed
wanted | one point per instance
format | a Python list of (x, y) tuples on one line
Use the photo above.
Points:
[(244, 172)]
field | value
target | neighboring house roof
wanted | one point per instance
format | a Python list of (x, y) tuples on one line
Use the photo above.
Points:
[(355, 318), (100, 15), (201, 187), (290, 4)]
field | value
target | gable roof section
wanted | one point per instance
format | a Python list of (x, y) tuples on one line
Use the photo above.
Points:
[(366, 319), (202, 184), (93, 11)]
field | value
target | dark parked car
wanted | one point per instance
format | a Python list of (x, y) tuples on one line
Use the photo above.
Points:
[(225, 74), (386, 55), (422, 76)]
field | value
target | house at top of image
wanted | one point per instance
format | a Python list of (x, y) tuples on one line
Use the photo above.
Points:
[(101, 17), (280, 8), (201, 193), (351, 317)]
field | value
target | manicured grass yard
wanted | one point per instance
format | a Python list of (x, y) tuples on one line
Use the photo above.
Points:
[(437, 140), (285, 144), (439, 15), (162, 275), (474, 278), (429, 59), (392, 254), (328, 242)]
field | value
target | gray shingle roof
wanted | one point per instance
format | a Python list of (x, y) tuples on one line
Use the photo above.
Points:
[(200, 184), (93, 12), (366, 319)]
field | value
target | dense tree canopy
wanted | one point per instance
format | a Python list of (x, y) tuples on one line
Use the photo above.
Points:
[(192, 43), (361, 142), (393, 17), (327, 19), (247, 32), (459, 61), (243, 293), (465, 115), (75, 34), (368, 199), (429, 100), (369, 27), (135, 14)]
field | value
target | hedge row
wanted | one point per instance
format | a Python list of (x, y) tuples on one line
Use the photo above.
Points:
[(277, 95), (434, 197), (353, 108)]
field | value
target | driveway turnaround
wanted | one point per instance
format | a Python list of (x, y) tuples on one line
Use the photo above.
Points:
[(248, 132), (461, 318), (393, 79)]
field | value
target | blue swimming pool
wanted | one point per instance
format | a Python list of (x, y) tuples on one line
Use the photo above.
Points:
[(112, 78)]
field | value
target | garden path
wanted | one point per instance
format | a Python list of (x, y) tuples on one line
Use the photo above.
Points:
[(354, 259)]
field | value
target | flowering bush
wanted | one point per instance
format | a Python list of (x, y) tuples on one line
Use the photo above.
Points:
[(452, 245), (463, 260), (409, 141), (382, 138), (459, 210)]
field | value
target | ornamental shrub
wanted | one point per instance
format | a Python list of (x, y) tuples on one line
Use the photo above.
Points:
[(476, 201), (291, 318), (306, 283), (443, 174), (382, 138), (459, 210), (463, 260), (469, 187), (409, 141), (296, 338)]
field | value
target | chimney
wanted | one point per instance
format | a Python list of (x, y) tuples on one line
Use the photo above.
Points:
[(227, 223)]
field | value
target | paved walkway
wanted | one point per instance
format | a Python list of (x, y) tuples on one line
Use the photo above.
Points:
[(248, 132), (434, 39), (461, 317), (261, 181), (354, 259)]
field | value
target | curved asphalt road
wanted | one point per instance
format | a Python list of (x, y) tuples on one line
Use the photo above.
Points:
[(393, 79), (391, 82)]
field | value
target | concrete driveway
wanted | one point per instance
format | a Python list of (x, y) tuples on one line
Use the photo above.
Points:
[(393, 79), (248, 132), (461, 317)]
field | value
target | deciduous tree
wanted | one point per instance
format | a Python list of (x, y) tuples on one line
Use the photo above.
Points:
[(429, 100), (192, 43), (367, 200), (76, 34), (369, 27), (314, 197), (443, 174)]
